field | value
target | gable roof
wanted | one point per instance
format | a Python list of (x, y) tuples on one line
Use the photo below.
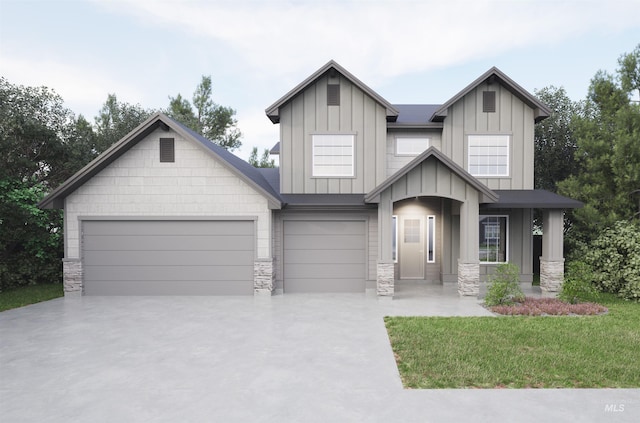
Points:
[(273, 111), (236, 165), (489, 195), (541, 111)]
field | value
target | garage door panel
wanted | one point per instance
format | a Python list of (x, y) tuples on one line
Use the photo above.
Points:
[(321, 227), (169, 287), (185, 258), (164, 273), (328, 257), (164, 227), (324, 242), (337, 271), (328, 285), (165, 242)]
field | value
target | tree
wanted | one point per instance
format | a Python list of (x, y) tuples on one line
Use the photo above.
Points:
[(264, 161), (115, 120), (608, 158), (33, 124), (214, 122), (629, 71), (555, 142)]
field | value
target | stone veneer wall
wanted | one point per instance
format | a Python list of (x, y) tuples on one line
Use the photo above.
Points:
[(385, 280), (72, 277), (468, 278), (551, 275), (264, 277)]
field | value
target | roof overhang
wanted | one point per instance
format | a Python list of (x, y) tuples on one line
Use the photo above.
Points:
[(531, 199)]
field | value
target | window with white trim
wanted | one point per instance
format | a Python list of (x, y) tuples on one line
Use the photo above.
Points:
[(394, 238), (431, 239), (488, 155), (494, 236), (333, 155), (411, 146)]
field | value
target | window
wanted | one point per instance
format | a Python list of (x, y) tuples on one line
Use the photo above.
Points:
[(488, 155), (431, 239), (167, 150), (411, 146), (412, 231), (333, 155), (494, 234), (489, 101), (394, 238)]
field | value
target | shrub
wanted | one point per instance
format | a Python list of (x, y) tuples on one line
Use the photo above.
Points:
[(578, 285), (504, 286), (614, 258)]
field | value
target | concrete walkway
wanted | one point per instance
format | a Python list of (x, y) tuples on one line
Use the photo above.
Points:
[(288, 358)]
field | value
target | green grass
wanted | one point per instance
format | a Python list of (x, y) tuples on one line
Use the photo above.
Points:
[(520, 352), (19, 297)]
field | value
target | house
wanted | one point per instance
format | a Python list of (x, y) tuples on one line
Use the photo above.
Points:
[(368, 194)]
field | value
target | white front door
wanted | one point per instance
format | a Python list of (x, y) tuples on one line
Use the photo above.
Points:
[(411, 242)]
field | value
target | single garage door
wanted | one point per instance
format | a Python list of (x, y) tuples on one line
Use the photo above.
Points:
[(185, 257), (324, 256)]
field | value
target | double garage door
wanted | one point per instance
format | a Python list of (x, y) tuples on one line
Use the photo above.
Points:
[(324, 256), (184, 257)]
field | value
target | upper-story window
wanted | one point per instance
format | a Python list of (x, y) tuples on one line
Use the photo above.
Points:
[(333, 155), (488, 155), (411, 146)]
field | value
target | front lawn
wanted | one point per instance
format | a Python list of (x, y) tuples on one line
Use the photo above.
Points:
[(520, 352), (26, 295)]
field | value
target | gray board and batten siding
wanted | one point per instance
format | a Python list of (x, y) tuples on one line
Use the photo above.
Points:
[(308, 113), (172, 257)]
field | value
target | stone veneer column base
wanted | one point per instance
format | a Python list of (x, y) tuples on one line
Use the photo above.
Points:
[(72, 277), (468, 278), (385, 280), (551, 274), (264, 277)]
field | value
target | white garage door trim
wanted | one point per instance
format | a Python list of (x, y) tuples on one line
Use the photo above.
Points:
[(168, 256)]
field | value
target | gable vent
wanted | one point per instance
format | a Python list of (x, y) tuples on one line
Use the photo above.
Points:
[(167, 150), (333, 95), (489, 101)]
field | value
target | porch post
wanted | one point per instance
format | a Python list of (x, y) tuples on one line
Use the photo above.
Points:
[(385, 278), (468, 263), (552, 260)]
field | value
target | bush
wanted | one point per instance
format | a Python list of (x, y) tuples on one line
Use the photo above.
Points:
[(504, 286), (578, 285), (31, 239), (614, 258)]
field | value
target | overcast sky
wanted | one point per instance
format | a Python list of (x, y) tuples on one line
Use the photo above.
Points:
[(256, 51)]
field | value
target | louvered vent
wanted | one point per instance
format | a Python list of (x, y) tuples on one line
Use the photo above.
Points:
[(489, 101), (333, 95), (167, 150)]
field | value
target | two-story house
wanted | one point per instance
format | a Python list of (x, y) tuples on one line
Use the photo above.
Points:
[(368, 193)]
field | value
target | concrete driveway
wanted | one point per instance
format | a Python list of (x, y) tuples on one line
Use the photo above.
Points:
[(292, 358)]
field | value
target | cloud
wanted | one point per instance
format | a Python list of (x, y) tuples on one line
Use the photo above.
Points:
[(378, 40)]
